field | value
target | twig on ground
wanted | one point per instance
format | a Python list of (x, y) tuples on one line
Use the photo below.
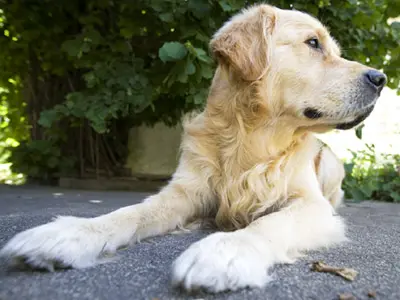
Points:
[(346, 273), (346, 297)]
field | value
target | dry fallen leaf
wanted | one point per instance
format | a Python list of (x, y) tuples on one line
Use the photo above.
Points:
[(346, 273), (372, 294), (346, 297)]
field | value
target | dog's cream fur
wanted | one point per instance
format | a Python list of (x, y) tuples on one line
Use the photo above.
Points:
[(249, 160)]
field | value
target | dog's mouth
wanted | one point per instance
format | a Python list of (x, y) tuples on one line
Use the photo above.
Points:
[(314, 114), (358, 120)]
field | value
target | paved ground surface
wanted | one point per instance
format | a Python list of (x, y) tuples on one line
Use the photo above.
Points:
[(143, 271)]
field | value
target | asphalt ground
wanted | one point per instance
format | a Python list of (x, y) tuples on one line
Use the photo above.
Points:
[(142, 271)]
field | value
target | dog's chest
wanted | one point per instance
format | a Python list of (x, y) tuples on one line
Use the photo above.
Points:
[(263, 182)]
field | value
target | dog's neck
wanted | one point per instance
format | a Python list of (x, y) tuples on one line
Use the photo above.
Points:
[(241, 121), (249, 145)]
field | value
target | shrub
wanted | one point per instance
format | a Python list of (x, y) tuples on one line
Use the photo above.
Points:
[(84, 72), (372, 176)]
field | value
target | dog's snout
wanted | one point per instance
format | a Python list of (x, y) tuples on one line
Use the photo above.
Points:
[(375, 78)]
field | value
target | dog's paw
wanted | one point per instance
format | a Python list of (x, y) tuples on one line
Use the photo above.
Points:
[(65, 242), (221, 262)]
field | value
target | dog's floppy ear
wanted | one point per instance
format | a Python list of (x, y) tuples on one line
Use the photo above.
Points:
[(242, 43)]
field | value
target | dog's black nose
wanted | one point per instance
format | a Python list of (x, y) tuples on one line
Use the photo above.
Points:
[(376, 79)]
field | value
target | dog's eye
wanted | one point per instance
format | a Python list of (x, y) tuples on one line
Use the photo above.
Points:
[(313, 43)]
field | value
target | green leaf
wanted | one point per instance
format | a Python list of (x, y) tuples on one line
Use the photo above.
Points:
[(395, 195), (359, 131), (225, 6), (182, 77), (199, 8), (231, 5), (190, 67), (349, 167), (166, 17), (396, 25), (202, 56), (206, 71), (358, 195), (93, 36), (72, 47), (47, 118), (200, 97), (127, 33), (172, 51)]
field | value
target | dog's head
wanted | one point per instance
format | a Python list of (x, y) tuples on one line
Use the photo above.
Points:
[(297, 68)]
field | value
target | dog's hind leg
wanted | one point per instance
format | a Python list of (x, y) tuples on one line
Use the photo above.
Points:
[(330, 173)]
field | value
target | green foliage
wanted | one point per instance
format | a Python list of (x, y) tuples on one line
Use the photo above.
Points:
[(146, 61), (173, 51), (41, 159), (135, 54), (8, 177), (13, 125), (370, 178), (12, 128)]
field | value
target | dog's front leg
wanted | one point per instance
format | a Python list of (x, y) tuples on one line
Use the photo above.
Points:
[(82, 242), (233, 260)]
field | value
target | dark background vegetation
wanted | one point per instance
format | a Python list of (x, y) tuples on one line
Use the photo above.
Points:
[(75, 76)]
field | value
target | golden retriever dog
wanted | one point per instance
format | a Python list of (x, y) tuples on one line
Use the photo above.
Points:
[(249, 161)]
